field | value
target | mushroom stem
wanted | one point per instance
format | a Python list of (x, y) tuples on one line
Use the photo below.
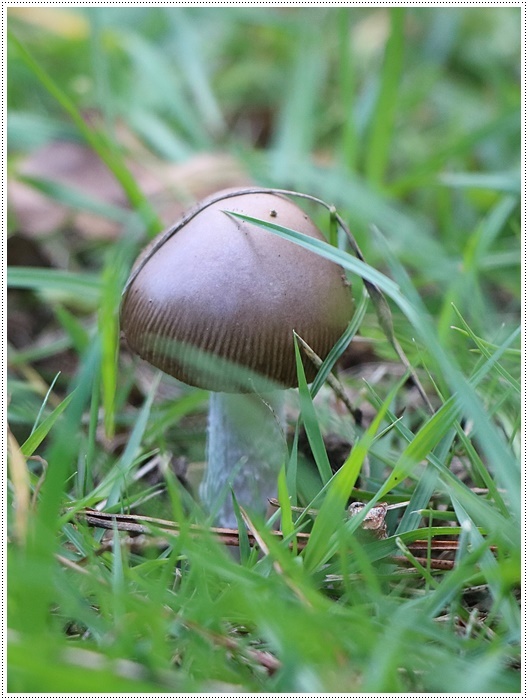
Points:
[(245, 450)]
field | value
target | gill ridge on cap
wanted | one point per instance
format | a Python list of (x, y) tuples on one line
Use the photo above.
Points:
[(207, 202)]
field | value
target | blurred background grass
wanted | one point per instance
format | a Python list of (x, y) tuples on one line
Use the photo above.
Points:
[(118, 119)]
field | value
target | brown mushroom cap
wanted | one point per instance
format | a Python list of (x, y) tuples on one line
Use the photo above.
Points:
[(221, 288)]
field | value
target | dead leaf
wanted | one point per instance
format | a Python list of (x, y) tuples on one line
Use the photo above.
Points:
[(170, 187)]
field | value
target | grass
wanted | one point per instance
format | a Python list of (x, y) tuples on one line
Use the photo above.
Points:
[(405, 119)]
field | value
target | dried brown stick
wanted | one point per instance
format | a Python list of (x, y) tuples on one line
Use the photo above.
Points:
[(228, 536)]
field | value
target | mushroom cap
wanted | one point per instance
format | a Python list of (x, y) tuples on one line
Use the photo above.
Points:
[(214, 300)]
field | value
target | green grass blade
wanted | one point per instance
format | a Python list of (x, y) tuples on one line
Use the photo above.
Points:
[(39, 434), (76, 199), (508, 182), (196, 71), (310, 421), (421, 445), (291, 468), (33, 354), (295, 131), (487, 354), (383, 118), (113, 484), (243, 537), (421, 494), (43, 405), (332, 510), (101, 144), (287, 526), (427, 169), (165, 93), (482, 511), (79, 337), (82, 285), (341, 345), (348, 146), (112, 282), (349, 262), (503, 463)]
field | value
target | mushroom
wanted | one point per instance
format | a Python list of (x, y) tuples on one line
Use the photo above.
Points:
[(214, 302)]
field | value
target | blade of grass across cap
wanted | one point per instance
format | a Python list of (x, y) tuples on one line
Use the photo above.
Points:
[(375, 282), (309, 418), (100, 142), (331, 513), (325, 250)]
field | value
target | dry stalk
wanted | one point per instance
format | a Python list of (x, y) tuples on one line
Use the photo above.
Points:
[(143, 527)]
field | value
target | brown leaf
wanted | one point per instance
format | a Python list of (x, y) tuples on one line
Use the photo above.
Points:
[(171, 187)]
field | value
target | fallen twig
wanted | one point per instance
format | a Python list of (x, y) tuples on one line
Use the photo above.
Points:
[(145, 527)]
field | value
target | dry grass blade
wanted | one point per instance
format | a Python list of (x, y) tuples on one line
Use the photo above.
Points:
[(440, 564), (332, 380), (20, 479)]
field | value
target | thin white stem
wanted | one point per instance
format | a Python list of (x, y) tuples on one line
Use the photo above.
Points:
[(245, 450)]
